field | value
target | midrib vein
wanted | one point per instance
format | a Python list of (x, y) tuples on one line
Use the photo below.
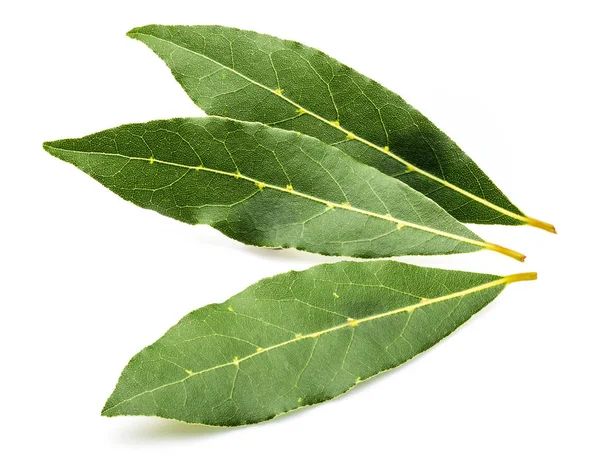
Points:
[(350, 323), (343, 206), (411, 167)]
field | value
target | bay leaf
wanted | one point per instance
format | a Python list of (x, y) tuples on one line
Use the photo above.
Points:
[(267, 187), (257, 77), (298, 339)]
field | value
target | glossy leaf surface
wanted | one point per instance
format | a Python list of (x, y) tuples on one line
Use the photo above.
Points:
[(297, 339), (267, 187), (257, 77)]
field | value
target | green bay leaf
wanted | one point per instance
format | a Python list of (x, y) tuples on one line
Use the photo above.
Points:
[(297, 339), (267, 187), (257, 77)]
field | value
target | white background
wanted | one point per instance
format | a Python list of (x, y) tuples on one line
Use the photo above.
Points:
[(87, 280)]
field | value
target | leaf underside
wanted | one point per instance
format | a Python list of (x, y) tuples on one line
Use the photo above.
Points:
[(297, 339), (257, 77), (266, 187)]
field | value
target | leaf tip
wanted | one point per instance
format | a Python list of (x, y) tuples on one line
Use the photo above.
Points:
[(106, 411), (132, 32), (50, 147)]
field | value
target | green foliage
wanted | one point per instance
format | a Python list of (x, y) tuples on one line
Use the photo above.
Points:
[(267, 187), (326, 161), (297, 339), (257, 77)]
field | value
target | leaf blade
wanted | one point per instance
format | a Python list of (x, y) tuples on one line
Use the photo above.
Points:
[(248, 359), (267, 187), (256, 77)]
